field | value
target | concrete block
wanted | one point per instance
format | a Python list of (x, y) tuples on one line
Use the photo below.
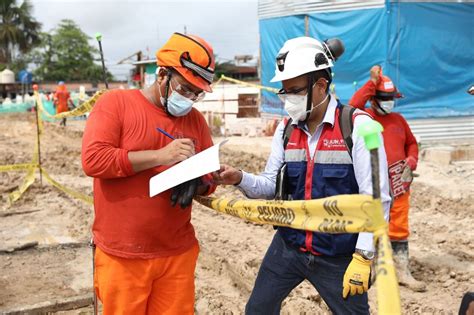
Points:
[(445, 155)]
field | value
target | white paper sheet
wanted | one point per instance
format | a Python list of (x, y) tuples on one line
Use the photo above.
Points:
[(200, 164)]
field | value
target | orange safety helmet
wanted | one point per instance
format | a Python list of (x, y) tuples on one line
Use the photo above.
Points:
[(385, 89), (61, 86), (191, 56)]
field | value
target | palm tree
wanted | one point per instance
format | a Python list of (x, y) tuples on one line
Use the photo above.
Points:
[(19, 30)]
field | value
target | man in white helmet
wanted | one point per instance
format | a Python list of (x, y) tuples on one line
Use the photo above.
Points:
[(316, 162)]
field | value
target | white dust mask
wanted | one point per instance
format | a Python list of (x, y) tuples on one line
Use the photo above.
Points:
[(385, 107), (295, 105)]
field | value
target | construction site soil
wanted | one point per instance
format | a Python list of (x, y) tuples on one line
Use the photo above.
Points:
[(45, 263)]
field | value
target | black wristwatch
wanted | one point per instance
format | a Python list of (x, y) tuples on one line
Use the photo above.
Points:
[(366, 254)]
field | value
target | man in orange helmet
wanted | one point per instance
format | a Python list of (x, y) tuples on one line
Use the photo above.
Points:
[(61, 99), (146, 247), (402, 156)]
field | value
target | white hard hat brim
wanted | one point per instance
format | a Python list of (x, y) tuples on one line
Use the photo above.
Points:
[(280, 76)]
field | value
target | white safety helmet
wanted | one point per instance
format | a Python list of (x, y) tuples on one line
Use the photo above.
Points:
[(303, 55)]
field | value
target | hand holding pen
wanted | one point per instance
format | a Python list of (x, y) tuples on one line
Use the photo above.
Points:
[(178, 150)]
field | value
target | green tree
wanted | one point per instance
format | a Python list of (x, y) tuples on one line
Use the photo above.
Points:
[(223, 68), (19, 31), (66, 55)]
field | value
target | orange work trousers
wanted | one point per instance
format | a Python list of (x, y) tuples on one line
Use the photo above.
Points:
[(398, 227), (146, 286)]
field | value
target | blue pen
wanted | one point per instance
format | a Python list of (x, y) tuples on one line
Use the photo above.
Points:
[(165, 133)]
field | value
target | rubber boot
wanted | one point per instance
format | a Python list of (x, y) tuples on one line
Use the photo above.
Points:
[(400, 258)]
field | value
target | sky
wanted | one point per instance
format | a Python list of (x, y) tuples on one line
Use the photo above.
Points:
[(127, 26)]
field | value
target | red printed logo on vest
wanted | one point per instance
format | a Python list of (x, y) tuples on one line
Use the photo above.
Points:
[(333, 144)]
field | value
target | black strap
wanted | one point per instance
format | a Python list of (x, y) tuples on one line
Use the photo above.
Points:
[(345, 122), (287, 132), (281, 179), (347, 126), (167, 88)]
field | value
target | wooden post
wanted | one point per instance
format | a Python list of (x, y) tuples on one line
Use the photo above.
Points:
[(142, 76), (224, 123), (38, 141)]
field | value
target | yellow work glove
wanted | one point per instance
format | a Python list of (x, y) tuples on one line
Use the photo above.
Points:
[(356, 278)]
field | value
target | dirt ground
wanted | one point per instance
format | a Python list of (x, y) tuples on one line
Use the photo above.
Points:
[(58, 268)]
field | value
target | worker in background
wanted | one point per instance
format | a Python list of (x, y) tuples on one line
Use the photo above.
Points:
[(471, 90), (402, 155), (61, 101), (318, 162), (147, 250)]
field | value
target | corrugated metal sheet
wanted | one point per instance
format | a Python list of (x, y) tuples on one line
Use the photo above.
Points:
[(437, 1), (443, 129), (277, 8), (440, 130)]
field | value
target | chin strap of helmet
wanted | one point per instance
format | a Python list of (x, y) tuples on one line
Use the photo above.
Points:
[(311, 82), (381, 110), (309, 99), (167, 88)]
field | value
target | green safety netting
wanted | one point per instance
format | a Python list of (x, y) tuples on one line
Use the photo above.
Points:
[(26, 106)]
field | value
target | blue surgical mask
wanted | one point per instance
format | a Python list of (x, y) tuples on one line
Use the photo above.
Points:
[(177, 105)]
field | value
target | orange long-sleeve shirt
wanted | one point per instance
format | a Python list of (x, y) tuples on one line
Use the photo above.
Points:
[(399, 141), (128, 223)]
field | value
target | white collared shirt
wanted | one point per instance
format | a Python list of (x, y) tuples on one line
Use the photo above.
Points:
[(263, 185)]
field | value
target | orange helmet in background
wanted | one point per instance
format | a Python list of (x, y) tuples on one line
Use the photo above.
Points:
[(385, 89), (191, 56)]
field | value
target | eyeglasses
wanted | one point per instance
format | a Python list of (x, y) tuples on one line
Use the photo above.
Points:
[(187, 92), (284, 95), (296, 91)]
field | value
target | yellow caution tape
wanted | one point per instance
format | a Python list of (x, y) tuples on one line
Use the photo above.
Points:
[(388, 292), (261, 87), (338, 214), (78, 111), (29, 179), (31, 167), (68, 191), (217, 82), (17, 167)]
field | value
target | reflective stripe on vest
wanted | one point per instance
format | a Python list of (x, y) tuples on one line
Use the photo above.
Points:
[(332, 167), (322, 157)]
